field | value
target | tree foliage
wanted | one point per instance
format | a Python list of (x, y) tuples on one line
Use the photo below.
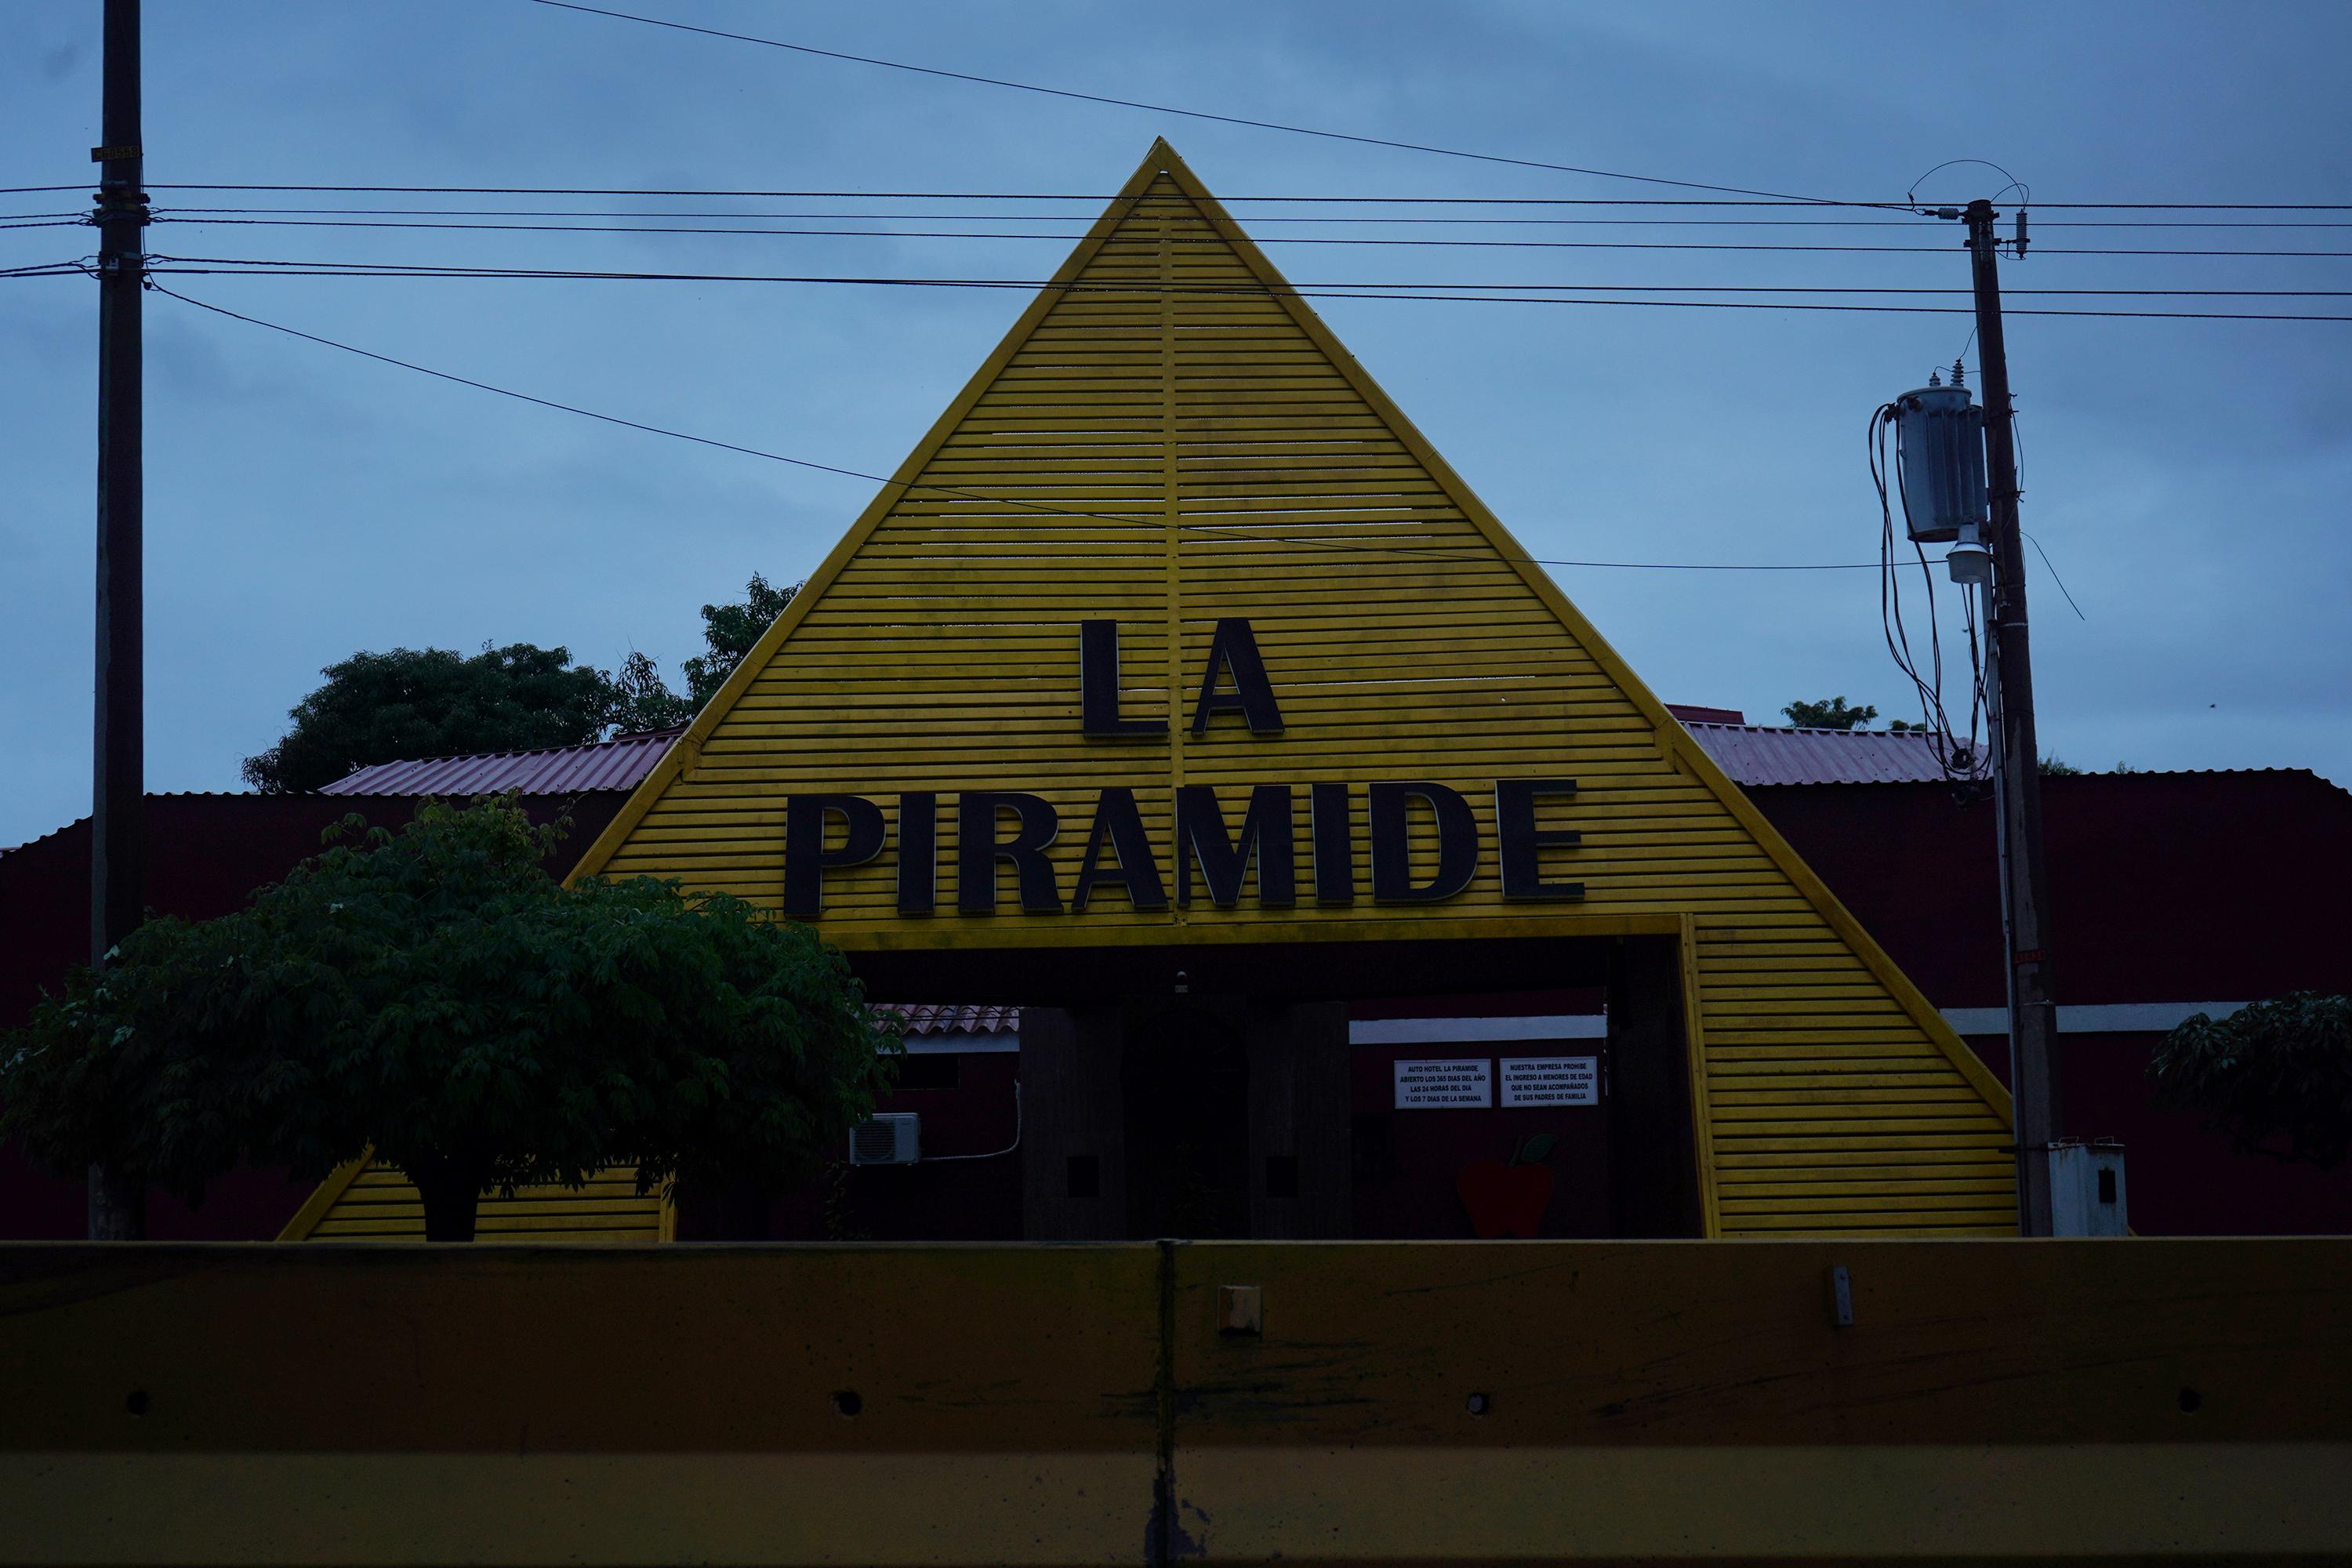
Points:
[(642, 699), (730, 630), (435, 996), (2275, 1077), (1829, 713), (433, 702)]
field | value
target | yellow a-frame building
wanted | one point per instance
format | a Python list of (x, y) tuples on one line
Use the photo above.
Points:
[(1175, 660)]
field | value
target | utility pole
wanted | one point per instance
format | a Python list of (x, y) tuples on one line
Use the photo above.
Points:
[(117, 1208), (2032, 1015)]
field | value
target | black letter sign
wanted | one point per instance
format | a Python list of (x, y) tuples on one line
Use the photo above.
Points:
[(1253, 695), (1457, 844), (1334, 842), (978, 851), (805, 856), (1098, 684), (1201, 837), (1523, 842), (918, 849), (1133, 865)]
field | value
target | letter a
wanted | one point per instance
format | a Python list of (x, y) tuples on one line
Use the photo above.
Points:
[(1234, 648)]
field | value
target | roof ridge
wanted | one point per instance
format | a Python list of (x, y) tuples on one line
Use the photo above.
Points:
[(673, 731)]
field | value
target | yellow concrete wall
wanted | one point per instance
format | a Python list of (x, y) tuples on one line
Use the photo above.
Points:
[(2180, 1401)]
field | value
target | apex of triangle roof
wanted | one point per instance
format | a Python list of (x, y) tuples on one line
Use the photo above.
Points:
[(1169, 575)]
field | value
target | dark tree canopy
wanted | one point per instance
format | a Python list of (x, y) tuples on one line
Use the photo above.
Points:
[(433, 702), (435, 996), (2276, 1077), (642, 699), (730, 630), (1829, 713)]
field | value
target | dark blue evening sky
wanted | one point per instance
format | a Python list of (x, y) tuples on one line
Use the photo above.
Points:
[(2189, 478)]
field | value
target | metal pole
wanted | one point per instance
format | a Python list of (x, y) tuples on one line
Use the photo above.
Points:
[(117, 835), (2032, 1015)]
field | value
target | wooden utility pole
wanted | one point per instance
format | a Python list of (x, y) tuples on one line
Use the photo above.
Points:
[(2032, 1015), (117, 822)]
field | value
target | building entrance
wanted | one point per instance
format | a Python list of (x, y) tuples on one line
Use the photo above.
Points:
[(1185, 1080), (1296, 1108)]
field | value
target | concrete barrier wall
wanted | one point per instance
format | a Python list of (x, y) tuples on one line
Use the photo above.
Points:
[(1400, 1403)]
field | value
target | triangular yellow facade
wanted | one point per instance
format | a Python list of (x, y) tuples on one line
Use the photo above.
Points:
[(1168, 438)]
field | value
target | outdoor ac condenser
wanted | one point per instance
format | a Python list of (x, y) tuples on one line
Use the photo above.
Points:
[(893, 1138)]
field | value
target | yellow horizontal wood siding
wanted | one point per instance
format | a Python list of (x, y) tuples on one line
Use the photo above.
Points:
[(1168, 439), (382, 1205)]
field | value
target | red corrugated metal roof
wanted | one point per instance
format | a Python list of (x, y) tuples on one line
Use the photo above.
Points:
[(938, 1018), (617, 763), (1757, 754)]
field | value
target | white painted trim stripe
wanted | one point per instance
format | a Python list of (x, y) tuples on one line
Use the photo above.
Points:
[(2106, 1018), (1448, 1031), (961, 1045)]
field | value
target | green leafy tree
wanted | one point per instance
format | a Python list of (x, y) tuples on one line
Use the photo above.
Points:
[(2275, 1077), (1830, 714), (642, 699), (2058, 768), (730, 630), (432, 702), (435, 996)]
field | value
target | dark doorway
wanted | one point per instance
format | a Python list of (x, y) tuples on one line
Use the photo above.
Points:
[(1184, 1079)]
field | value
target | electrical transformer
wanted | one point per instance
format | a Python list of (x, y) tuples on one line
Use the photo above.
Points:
[(1939, 440)]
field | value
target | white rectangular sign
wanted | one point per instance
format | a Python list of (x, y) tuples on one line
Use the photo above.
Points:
[(1448, 1081), (1552, 1080)]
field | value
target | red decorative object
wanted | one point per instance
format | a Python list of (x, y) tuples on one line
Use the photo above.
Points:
[(1505, 1200)]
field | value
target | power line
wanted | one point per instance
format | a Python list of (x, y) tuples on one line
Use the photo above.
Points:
[(1211, 239), (1224, 199), (1078, 218), (232, 266), (1252, 289), (1156, 522), (1206, 239), (1193, 113)]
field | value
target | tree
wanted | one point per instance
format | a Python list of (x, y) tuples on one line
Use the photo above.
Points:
[(730, 630), (431, 702), (435, 996), (1830, 714), (2058, 768), (2273, 1073), (642, 699)]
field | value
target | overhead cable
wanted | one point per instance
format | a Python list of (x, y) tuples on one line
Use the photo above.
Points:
[(1194, 113), (175, 213), (232, 266), (1039, 507), (1224, 199), (1209, 241)]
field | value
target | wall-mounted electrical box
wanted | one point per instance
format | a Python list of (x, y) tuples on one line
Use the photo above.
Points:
[(893, 1138), (2086, 1190), (1939, 443)]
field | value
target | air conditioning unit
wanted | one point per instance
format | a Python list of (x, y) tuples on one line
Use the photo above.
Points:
[(893, 1138)]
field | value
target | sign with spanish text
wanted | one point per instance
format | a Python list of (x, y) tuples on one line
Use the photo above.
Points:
[(1552, 1080), (1450, 1082)]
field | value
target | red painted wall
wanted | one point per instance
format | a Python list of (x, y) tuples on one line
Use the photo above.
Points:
[(2225, 887)]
